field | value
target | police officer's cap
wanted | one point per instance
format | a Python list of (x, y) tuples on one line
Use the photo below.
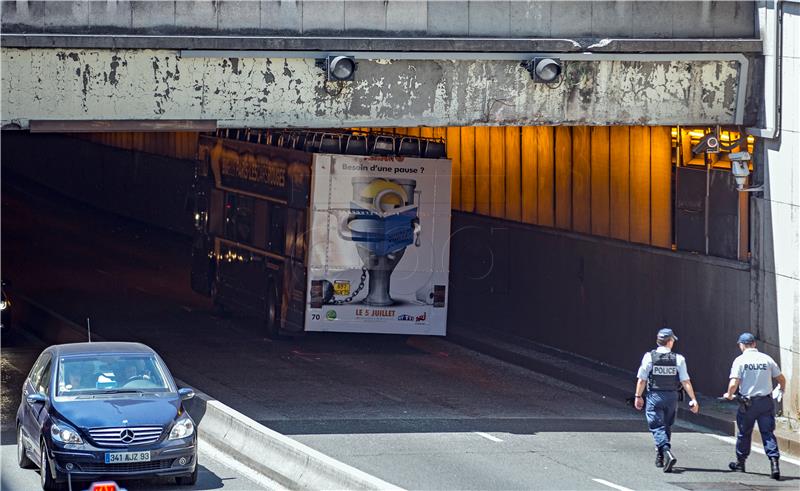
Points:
[(747, 338), (665, 334)]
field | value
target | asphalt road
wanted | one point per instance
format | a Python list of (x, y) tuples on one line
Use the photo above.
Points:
[(421, 413)]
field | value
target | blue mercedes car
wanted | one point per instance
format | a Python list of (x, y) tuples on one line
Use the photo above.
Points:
[(95, 410)]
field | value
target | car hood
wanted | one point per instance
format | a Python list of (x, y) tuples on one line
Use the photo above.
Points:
[(120, 411)]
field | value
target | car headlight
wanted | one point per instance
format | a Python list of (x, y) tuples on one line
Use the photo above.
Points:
[(64, 433), (183, 428)]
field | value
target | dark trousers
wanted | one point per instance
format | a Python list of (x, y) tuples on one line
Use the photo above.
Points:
[(660, 409), (761, 410)]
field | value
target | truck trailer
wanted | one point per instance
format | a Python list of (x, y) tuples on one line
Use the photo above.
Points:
[(312, 230)]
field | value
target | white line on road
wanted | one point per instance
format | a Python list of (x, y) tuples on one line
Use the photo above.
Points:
[(611, 485), (187, 309), (730, 439), (102, 271), (488, 436)]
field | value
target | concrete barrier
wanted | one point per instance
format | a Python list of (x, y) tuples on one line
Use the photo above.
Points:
[(276, 456), (280, 458)]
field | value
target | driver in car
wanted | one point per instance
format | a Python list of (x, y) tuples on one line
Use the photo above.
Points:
[(73, 380), (135, 371)]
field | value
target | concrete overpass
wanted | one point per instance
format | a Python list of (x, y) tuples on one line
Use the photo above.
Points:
[(420, 63)]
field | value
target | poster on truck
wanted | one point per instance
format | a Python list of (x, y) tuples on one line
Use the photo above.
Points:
[(379, 246)]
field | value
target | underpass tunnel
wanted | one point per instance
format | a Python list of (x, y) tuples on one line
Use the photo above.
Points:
[(587, 239)]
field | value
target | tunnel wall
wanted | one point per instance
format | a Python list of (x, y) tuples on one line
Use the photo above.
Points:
[(600, 298), (143, 186)]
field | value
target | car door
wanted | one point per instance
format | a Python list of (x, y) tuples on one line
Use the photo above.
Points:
[(43, 387), (31, 411)]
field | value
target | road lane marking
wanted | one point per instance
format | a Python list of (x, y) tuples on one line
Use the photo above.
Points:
[(102, 271), (754, 448), (488, 436), (611, 485), (187, 309)]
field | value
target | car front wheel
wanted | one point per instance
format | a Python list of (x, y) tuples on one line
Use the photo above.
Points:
[(48, 482), (22, 455), (189, 480)]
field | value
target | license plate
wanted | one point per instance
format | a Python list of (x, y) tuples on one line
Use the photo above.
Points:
[(127, 457)]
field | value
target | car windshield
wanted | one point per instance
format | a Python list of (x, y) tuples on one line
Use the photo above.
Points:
[(101, 374)]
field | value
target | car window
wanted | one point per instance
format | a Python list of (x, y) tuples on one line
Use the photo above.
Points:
[(36, 372), (93, 374), (44, 380)]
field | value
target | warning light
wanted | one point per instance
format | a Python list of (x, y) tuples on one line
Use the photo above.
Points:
[(105, 486)]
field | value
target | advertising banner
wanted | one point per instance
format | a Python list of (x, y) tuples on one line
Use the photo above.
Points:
[(379, 248)]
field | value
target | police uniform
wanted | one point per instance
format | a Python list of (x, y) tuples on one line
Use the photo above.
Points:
[(664, 371), (755, 371)]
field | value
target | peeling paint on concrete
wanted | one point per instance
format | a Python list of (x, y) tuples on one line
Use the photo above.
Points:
[(159, 84)]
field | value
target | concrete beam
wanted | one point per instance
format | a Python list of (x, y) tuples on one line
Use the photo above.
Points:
[(426, 18), (54, 84), (333, 44)]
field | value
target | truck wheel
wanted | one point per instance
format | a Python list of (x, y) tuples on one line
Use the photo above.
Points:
[(272, 320)]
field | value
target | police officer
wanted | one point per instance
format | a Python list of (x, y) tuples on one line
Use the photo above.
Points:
[(664, 373), (752, 374)]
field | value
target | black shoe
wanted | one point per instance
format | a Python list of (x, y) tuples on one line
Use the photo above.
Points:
[(659, 459), (737, 466), (775, 468), (669, 460)]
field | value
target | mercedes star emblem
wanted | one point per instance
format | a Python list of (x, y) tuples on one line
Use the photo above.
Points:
[(126, 436)]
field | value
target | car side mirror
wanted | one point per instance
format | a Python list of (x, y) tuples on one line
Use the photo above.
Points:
[(186, 393), (37, 397)]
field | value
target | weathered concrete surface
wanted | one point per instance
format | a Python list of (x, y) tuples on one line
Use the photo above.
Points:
[(421, 18), (775, 225), (48, 84)]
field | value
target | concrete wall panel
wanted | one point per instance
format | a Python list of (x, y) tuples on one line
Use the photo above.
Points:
[(284, 17), (199, 16), (406, 17), (461, 18), (242, 14), (530, 18), (612, 19), (154, 16), (364, 16), (489, 18), (775, 224), (159, 84), (28, 16), (651, 19), (733, 19), (567, 291), (323, 17), (448, 18), (571, 19), (688, 21), (110, 15), (68, 14)]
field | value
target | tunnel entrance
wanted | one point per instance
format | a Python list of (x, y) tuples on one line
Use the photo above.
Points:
[(556, 232)]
